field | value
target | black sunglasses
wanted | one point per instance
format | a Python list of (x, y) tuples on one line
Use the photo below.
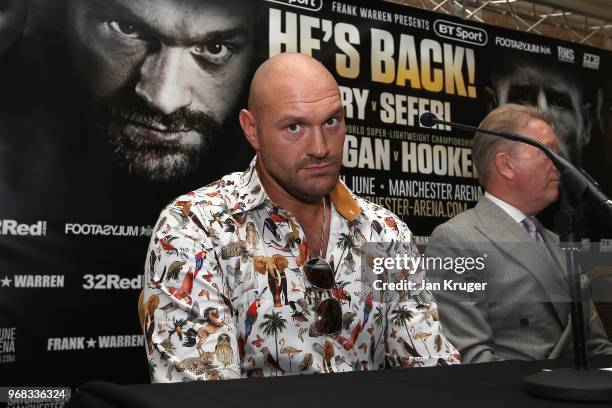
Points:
[(328, 312)]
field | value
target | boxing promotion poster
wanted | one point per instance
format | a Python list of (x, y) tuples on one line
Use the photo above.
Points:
[(394, 64), (391, 69), (110, 109)]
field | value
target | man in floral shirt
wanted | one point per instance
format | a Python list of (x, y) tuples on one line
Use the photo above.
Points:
[(260, 273)]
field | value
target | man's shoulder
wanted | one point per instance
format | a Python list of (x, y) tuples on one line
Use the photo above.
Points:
[(213, 196), (372, 212), (467, 217), (460, 224)]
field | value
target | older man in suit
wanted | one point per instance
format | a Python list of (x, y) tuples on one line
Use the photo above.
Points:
[(522, 309)]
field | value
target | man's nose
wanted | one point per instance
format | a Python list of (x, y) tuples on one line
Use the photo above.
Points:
[(556, 170), (317, 144), (163, 80), (553, 168)]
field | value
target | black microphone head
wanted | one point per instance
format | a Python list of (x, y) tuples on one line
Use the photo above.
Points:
[(428, 119)]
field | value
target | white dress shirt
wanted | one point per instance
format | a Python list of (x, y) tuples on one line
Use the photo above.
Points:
[(516, 214)]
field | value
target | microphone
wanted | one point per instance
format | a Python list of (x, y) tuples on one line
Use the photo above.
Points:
[(428, 119), (577, 179)]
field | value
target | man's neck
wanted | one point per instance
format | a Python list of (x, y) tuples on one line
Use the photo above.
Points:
[(302, 209), (309, 214), (509, 198), (283, 199)]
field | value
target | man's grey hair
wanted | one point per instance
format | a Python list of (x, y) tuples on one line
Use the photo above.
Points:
[(508, 118)]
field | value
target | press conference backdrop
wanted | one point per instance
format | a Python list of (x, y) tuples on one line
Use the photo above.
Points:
[(78, 202)]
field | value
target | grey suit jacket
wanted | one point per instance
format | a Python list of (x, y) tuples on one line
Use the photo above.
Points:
[(523, 313)]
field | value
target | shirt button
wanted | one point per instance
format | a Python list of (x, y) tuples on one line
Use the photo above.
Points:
[(524, 322)]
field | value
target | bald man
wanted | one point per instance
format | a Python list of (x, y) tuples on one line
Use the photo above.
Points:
[(259, 273)]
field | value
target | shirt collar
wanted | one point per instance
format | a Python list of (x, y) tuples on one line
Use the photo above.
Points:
[(250, 194), (516, 214)]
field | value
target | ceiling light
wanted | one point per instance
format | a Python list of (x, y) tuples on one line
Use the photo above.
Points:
[(559, 14)]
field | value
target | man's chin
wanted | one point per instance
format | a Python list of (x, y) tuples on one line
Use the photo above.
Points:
[(314, 191), (159, 168), (153, 160)]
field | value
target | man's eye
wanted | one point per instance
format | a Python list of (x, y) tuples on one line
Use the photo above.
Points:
[(523, 95), (559, 105), (331, 122), (294, 128), (126, 30), (213, 51), (560, 101)]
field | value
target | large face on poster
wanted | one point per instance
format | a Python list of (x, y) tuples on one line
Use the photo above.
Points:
[(162, 77), (551, 87)]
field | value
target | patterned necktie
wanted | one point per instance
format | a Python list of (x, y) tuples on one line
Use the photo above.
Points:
[(530, 226)]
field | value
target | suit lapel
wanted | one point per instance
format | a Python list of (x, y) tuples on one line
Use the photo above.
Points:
[(510, 238), (552, 243)]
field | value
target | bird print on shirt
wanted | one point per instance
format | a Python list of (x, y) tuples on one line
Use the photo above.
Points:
[(226, 266)]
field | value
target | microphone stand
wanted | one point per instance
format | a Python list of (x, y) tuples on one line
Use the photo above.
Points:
[(579, 383)]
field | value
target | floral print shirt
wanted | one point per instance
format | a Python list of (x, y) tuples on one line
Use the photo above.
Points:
[(225, 294)]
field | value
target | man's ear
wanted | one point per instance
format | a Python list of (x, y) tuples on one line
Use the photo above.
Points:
[(249, 127), (503, 165)]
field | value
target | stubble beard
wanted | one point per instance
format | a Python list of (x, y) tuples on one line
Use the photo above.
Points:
[(296, 187), (154, 160)]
